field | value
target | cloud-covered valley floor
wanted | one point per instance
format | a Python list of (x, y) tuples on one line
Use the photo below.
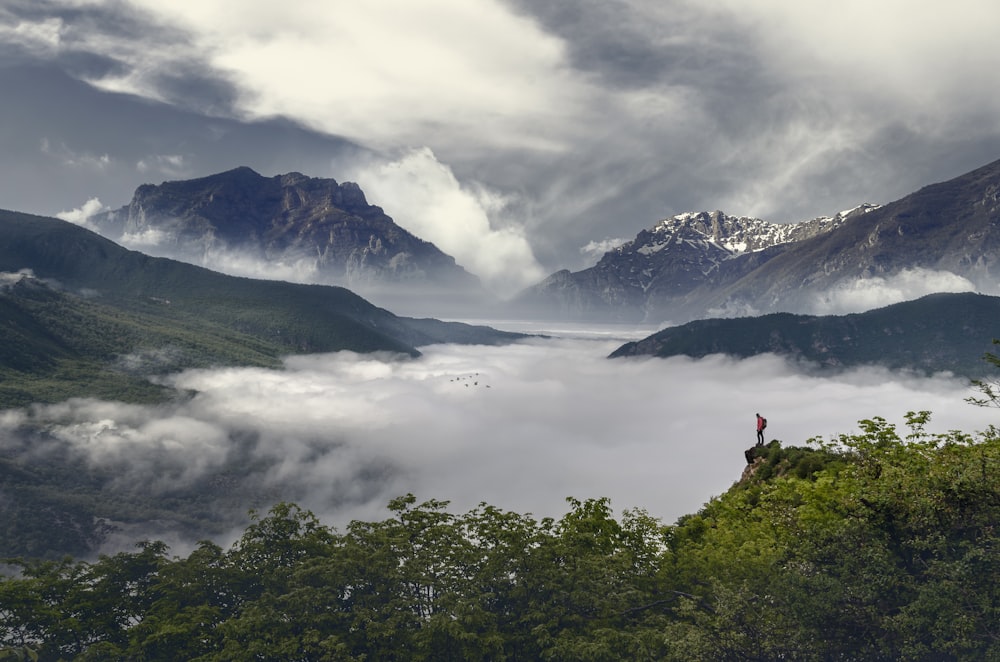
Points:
[(520, 427)]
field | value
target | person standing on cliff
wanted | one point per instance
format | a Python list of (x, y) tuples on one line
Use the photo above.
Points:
[(761, 425)]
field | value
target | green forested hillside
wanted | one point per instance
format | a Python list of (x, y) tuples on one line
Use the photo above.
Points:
[(94, 319), (870, 546), (54, 345), (938, 332)]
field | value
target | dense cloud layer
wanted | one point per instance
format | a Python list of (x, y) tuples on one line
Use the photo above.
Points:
[(520, 427)]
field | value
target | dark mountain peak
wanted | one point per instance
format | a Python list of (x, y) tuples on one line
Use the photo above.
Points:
[(317, 227), (245, 173), (241, 204), (239, 176), (293, 179), (353, 195)]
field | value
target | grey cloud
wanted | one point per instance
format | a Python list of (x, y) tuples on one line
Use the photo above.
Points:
[(51, 107), (675, 107), (635, 44), (771, 139)]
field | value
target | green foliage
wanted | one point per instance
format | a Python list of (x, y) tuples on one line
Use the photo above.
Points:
[(988, 388), (54, 346), (774, 460), (886, 554)]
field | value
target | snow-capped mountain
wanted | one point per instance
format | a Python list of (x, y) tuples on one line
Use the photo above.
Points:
[(666, 264), (744, 234), (943, 238)]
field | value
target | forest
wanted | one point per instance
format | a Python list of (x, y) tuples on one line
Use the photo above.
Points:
[(877, 545)]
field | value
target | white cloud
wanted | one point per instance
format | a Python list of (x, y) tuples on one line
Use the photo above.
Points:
[(150, 238), (520, 427), (41, 38), (243, 264), (388, 72), (10, 278), (595, 126), (918, 54), (81, 215), (423, 196), (876, 292), (596, 249)]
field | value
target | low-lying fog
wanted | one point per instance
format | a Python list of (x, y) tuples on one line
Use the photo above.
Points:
[(520, 427)]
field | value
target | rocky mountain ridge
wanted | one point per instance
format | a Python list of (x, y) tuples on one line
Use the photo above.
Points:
[(670, 262), (944, 237), (743, 234)]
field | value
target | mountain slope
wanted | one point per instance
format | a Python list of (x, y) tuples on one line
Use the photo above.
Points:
[(938, 332), (54, 345), (79, 281)]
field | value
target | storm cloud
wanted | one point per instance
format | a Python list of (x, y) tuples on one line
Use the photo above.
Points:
[(563, 123)]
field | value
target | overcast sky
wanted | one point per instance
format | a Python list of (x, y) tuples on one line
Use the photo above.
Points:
[(512, 133), (520, 427)]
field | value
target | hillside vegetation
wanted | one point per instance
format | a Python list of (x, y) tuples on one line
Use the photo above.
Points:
[(82, 316), (935, 333), (870, 546)]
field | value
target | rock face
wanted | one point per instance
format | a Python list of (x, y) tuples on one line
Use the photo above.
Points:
[(322, 230), (946, 236)]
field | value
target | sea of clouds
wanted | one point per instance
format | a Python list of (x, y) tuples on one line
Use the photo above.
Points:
[(521, 426)]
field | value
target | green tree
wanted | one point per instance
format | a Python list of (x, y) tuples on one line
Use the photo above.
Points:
[(989, 389), (190, 598)]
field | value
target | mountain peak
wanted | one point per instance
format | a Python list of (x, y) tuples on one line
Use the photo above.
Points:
[(298, 227)]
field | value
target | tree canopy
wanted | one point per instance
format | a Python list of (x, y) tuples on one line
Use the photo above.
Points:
[(869, 546)]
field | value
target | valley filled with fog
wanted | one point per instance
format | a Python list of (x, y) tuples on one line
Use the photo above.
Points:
[(520, 427)]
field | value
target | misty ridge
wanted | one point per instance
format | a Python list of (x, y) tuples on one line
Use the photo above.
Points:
[(693, 265)]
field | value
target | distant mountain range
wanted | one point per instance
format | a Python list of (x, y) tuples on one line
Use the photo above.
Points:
[(696, 265), (80, 315), (712, 265), (691, 266), (313, 229), (936, 333)]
